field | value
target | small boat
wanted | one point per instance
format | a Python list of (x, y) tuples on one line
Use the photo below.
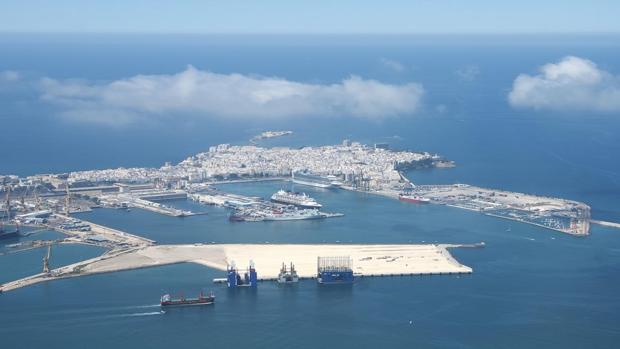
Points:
[(168, 301)]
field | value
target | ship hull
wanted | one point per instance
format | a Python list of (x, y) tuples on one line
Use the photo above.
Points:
[(296, 204), (414, 200), (293, 218), (186, 303), (329, 277), (9, 234)]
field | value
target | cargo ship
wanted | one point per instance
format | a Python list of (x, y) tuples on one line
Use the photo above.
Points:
[(334, 270), (413, 198), (7, 234), (288, 275), (168, 301), (293, 198), (314, 180)]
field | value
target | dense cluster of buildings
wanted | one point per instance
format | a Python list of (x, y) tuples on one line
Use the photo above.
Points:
[(349, 161)]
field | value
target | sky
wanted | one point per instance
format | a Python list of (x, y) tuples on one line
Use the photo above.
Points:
[(313, 17)]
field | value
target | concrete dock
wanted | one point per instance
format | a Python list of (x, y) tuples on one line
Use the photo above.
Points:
[(368, 260), (605, 223)]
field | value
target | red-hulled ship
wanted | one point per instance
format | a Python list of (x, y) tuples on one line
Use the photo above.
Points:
[(413, 198), (168, 301)]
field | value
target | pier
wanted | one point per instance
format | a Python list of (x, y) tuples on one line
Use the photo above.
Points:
[(116, 237), (368, 260), (605, 223)]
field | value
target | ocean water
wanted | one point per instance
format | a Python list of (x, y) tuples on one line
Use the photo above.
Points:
[(531, 287)]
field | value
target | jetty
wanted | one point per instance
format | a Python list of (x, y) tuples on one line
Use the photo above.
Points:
[(605, 223), (367, 260)]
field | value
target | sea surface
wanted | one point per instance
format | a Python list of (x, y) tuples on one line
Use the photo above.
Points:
[(531, 287)]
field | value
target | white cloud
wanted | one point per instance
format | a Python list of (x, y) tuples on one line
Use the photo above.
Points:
[(202, 93), (468, 73), (9, 76), (572, 84), (393, 65)]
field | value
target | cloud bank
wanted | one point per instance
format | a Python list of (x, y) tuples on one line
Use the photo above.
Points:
[(206, 94), (573, 84)]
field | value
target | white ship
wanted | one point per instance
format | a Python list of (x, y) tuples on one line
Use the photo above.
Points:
[(297, 199), (315, 181)]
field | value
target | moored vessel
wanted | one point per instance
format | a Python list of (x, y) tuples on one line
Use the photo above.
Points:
[(288, 275), (293, 198)]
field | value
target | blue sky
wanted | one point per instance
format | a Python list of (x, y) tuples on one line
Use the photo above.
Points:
[(318, 16)]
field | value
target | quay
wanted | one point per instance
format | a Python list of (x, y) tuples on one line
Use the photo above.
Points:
[(605, 223), (368, 260), (120, 238)]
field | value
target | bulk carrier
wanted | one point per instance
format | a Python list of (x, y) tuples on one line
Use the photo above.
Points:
[(167, 301)]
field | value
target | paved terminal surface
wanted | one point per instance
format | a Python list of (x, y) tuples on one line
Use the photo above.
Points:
[(368, 260)]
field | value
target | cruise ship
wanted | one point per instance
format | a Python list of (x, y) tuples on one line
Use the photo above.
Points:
[(297, 199), (314, 180)]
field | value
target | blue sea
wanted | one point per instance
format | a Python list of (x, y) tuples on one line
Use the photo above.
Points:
[(531, 287)]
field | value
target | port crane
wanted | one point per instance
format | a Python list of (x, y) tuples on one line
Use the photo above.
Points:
[(46, 260), (7, 204), (67, 198), (37, 199)]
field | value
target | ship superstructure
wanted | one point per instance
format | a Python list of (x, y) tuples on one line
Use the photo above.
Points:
[(285, 213), (294, 198), (334, 270), (288, 275), (306, 178), (235, 279)]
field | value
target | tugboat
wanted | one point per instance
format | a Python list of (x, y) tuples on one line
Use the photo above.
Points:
[(288, 276), (168, 301)]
